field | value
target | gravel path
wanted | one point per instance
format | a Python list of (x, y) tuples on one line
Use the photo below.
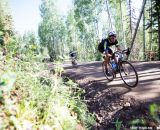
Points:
[(115, 102)]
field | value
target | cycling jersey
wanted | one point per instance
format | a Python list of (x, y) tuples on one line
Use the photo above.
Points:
[(107, 44)]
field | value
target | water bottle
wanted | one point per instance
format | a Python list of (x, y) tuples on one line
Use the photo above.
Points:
[(114, 65)]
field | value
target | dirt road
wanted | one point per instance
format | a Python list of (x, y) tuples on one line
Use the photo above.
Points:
[(113, 100), (148, 87)]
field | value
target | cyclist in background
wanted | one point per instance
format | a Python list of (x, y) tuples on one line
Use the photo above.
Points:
[(73, 56)]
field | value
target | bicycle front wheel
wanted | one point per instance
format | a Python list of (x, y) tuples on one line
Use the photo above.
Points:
[(108, 71), (74, 63), (128, 74)]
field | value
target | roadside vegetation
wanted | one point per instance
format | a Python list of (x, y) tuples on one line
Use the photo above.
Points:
[(32, 97), (33, 94)]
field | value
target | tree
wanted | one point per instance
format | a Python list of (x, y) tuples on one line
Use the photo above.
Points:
[(130, 20), (72, 35), (130, 17), (87, 17), (6, 26), (118, 19), (6, 21), (51, 29), (155, 21), (122, 26), (28, 44), (140, 15), (144, 37), (109, 16)]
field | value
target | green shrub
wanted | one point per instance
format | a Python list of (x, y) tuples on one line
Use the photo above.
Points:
[(38, 99)]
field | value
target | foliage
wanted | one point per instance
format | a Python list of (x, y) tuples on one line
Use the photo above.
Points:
[(138, 122), (155, 14), (34, 99), (87, 16), (80, 29), (75, 33), (6, 21), (118, 124), (31, 96), (153, 24), (154, 111), (29, 45), (153, 116), (51, 29)]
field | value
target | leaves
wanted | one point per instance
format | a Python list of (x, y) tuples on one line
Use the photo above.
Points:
[(7, 81), (6, 21), (51, 29), (30, 100)]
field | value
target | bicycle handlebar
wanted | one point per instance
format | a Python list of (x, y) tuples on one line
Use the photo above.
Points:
[(120, 54), (127, 51)]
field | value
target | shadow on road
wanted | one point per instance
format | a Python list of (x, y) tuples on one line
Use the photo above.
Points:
[(111, 100)]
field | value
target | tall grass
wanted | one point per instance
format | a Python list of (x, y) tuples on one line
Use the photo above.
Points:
[(32, 97)]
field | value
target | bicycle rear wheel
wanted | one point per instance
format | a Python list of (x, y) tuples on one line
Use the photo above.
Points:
[(74, 63), (128, 74), (109, 75)]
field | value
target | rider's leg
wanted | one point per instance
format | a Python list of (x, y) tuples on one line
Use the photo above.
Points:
[(109, 56), (107, 60)]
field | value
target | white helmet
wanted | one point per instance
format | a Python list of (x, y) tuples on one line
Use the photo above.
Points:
[(111, 33)]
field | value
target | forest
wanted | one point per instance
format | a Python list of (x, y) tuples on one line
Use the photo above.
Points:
[(34, 95)]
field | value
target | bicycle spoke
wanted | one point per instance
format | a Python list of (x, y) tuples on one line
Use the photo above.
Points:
[(128, 74), (108, 72)]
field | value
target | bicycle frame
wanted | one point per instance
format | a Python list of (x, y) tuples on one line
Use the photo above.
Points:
[(119, 57), (124, 67), (73, 61)]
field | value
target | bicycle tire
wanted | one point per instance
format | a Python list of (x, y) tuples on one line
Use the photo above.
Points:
[(74, 63), (110, 78), (124, 66)]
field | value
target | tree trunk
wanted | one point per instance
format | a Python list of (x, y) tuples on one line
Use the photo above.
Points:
[(109, 16), (158, 30), (150, 30), (96, 29), (122, 27), (130, 17), (158, 37), (144, 37), (158, 21), (136, 29)]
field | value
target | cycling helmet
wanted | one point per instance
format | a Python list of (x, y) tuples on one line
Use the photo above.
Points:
[(111, 33)]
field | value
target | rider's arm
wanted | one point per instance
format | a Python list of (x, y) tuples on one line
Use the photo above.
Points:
[(118, 48), (106, 52), (105, 47)]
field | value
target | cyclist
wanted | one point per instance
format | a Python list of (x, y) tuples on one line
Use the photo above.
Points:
[(111, 40), (73, 56)]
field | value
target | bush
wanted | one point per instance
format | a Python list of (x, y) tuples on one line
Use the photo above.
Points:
[(36, 99)]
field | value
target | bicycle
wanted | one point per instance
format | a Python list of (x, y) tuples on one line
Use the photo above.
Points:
[(127, 71), (73, 61), (73, 57)]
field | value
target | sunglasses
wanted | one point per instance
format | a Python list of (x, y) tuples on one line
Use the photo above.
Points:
[(112, 36)]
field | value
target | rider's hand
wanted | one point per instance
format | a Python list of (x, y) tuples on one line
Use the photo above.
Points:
[(128, 51), (104, 52), (109, 55)]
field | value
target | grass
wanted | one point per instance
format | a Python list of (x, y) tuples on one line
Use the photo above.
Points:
[(32, 97)]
